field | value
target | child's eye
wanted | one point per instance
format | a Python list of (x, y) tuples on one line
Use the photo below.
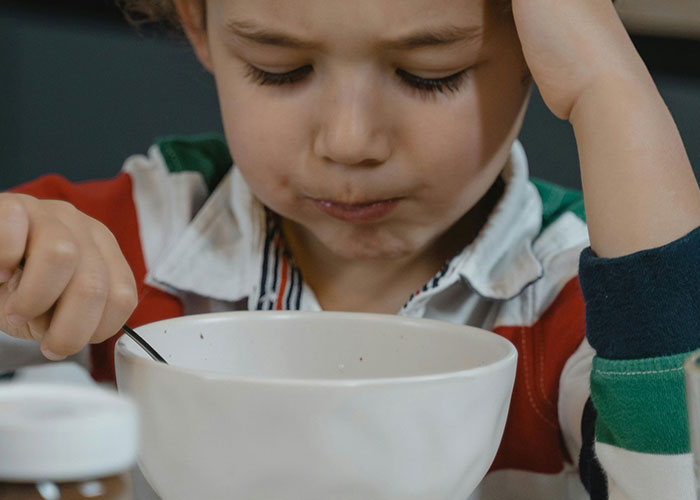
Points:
[(266, 78), (446, 84)]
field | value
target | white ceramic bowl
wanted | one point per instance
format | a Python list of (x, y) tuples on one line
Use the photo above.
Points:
[(306, 406)]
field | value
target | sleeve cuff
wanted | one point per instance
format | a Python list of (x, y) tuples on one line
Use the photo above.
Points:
[(646, 304)]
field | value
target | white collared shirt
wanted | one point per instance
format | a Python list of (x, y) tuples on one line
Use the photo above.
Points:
[(230, 252)]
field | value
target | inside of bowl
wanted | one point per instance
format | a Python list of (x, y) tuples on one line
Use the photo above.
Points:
[(319, 346)]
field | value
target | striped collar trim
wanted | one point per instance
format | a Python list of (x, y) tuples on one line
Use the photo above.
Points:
[(281, 284)]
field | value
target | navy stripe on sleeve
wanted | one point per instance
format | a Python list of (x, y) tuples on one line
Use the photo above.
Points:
[(590, 471), (646, 304)]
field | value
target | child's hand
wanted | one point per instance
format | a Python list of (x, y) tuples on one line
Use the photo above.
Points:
[(74, 286), (571, 44)]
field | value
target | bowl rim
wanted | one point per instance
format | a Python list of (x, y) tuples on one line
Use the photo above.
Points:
[(509, 358)]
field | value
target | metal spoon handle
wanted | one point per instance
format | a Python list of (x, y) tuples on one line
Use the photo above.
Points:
[(143, 344)]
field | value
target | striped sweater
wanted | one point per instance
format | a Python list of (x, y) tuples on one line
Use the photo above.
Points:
[(597, 410)]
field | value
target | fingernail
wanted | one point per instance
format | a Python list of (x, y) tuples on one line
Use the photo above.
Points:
[(50, 355), (16, 320), (5, 275)]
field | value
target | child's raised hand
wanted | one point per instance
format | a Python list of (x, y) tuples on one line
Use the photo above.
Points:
[(569, 45), (63, 279)]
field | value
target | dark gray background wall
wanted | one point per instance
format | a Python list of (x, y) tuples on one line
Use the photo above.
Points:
[(81, 91)]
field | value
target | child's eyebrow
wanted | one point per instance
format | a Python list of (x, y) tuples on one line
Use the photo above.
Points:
[(446, 35), (254, 33)]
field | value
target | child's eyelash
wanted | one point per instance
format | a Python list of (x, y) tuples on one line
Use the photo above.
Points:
[(445, 84), (266, 78)]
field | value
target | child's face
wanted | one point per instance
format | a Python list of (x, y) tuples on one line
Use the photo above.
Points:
[(345, 124)]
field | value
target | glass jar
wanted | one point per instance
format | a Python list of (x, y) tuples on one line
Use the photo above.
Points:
[(66, 442)]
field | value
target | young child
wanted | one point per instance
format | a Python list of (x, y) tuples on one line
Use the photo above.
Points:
[(377, 169)]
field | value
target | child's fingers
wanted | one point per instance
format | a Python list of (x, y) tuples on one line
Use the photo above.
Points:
[(123, 294), (14, 227), (50, 261), (80, 307), (75, 285), (36, 328), (28, 331)]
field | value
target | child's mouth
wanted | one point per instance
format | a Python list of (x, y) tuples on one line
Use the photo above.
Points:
[(357, 212)]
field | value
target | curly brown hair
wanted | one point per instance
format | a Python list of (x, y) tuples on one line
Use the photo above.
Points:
[(140, 12)]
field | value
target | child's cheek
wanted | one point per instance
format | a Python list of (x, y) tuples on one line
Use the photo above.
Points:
[(265, 161)]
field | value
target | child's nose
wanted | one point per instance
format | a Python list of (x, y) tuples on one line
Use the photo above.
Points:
[(353, 127)]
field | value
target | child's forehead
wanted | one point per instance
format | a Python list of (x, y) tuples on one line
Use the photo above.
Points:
[(388, 16)]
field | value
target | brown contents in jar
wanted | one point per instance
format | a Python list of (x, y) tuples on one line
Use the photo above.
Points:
[(111, 488)]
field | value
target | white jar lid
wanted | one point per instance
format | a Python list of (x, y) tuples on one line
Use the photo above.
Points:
[(65, 433)]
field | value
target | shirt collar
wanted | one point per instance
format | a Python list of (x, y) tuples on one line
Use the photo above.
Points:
[(220, 253), (500, 262)]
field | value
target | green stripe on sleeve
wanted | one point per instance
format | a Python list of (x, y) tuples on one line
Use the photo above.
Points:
[(203, 153), (641, 404)]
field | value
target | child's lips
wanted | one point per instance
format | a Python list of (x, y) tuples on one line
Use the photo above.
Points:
[(357, 212)]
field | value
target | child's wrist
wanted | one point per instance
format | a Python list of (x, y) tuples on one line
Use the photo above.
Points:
[(610, 90)]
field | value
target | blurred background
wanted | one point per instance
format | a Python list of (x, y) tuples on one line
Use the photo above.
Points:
[(82, 90)]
